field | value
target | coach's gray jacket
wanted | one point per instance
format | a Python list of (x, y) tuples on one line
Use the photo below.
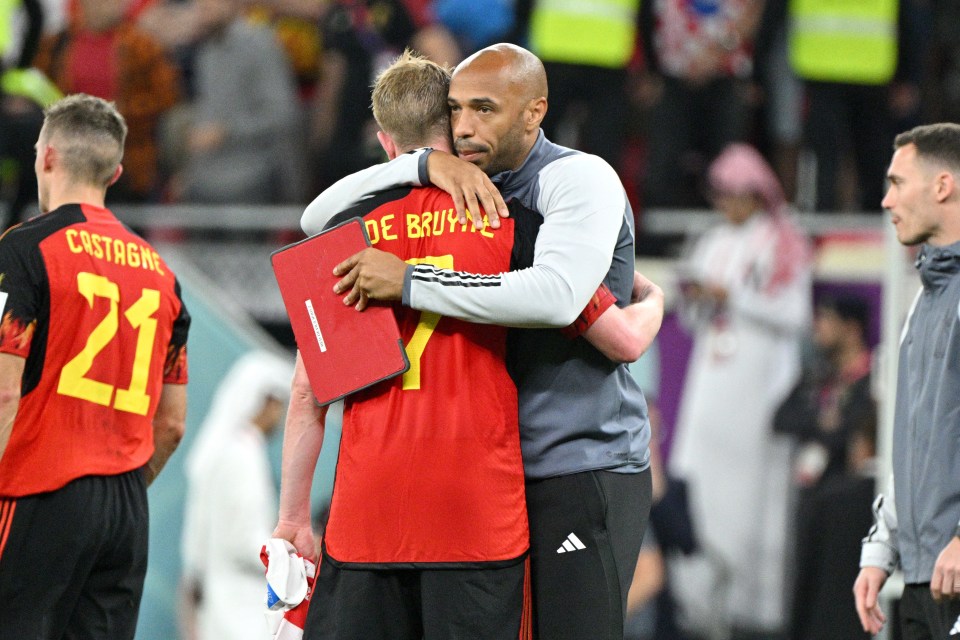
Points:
[(926, 435)]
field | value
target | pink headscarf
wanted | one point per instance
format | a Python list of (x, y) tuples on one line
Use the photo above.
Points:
[(740, 169)]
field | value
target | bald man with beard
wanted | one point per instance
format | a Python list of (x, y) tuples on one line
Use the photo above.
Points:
[(583, 420)]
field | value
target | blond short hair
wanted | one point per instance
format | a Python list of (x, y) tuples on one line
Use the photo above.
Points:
[(89, 134), (410, 101)]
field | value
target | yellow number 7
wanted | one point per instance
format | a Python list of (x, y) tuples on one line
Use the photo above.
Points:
[(426, 326), (73, 381)]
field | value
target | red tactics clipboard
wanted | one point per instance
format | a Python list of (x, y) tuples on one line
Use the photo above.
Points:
[(343, 350)]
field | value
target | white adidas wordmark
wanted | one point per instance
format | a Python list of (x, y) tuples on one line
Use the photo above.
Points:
[(956, 627), (572, 543)]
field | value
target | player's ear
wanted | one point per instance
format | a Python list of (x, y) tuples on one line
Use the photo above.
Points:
[(946, 186), (534, 113), (116, 175), (388, 144), (50, 157)]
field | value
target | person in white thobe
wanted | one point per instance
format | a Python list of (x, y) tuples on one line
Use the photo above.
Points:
[(231, 502), (747, 301)]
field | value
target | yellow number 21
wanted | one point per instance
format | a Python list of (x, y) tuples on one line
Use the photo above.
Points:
[(73, 381), (425, 328)]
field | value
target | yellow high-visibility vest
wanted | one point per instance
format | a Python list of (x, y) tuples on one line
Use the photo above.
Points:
[(590, 32), (30, 83), (7, 9), (849, 41)]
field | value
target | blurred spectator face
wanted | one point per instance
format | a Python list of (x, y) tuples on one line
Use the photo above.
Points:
[(486, 115), (827, 330), (214, 14), (909, 198), (269, 417), (736, 207), (101, 15)]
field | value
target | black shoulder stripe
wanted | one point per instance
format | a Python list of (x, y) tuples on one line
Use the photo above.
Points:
[(33, 231), (367, 205)]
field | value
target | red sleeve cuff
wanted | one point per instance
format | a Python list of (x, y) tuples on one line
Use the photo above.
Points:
[(602, 300)]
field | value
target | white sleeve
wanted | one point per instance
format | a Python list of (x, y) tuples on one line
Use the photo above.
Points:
[(786, 310), (880, 548), (403, 170), (193, 534), (776, 292), (583, 206), (695, 312)]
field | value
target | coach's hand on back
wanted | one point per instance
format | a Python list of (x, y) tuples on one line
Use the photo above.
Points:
[(370, 275)]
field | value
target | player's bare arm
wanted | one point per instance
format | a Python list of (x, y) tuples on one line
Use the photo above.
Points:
[(169, 425), (468, 185), (302, 441), (623, 335), (11, 372)]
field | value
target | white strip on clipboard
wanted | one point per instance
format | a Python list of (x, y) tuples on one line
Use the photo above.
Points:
[(316, 326)]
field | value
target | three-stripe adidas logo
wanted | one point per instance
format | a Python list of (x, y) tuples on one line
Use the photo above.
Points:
[(572, 543), (429, 273), (956, 627)]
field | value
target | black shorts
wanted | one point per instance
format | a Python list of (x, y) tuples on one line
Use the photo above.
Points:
[(72, 561), (410, 604), (585, 535)]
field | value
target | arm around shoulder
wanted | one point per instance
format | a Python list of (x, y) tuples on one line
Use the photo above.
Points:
[(350, 190), (584, 209)]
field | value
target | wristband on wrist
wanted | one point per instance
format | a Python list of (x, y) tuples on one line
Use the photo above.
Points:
[(602, 300), (422, 174)]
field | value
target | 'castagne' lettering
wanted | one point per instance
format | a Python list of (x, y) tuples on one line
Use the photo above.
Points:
[(422, 225), (115, 250)]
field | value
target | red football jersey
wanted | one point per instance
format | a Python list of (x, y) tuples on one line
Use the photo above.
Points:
[(429, 469), (98, 316)]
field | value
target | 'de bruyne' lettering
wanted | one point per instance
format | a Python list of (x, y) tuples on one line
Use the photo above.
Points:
[(421, 225)]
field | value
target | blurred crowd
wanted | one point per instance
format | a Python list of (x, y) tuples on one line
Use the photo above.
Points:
[(266, 101)]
